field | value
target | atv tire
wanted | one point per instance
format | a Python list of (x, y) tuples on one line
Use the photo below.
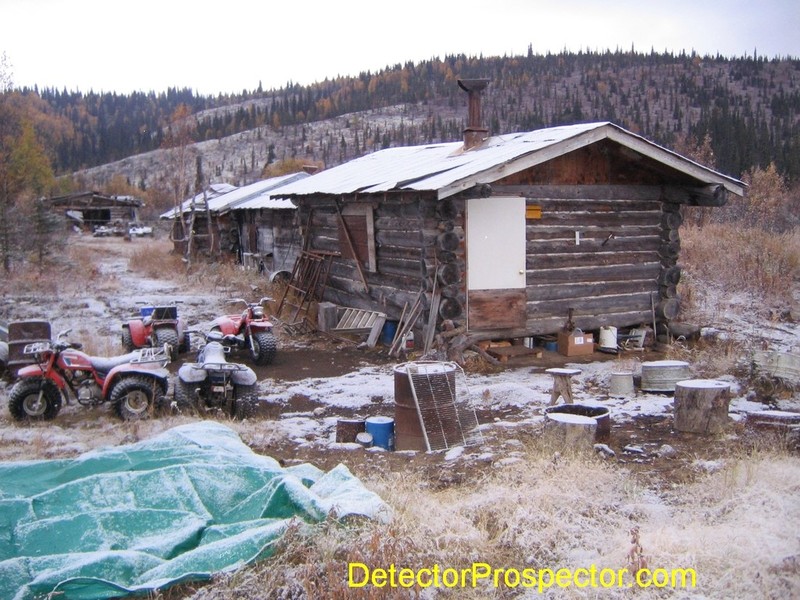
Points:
[(134, 397), (185, 397), (265, 345), (245, 403), (127, 340), (167, 335), (26, 403)]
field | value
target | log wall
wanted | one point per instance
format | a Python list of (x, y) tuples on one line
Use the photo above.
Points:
[(623, 269), (405, 236), (610, 273)]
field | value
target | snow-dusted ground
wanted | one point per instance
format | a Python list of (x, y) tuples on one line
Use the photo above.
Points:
[(516, 396)]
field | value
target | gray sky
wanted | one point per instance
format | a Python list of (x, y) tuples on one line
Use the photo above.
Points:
[(213, 47)]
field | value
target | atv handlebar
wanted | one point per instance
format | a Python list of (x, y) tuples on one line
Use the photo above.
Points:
[(249, 304)]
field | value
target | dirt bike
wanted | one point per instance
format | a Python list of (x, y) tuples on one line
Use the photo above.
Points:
[(251, 330), (132, 382), (213, 383), (156, 326)]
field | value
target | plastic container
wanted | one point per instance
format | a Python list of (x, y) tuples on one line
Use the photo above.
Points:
[(382, 431), (388, 332)]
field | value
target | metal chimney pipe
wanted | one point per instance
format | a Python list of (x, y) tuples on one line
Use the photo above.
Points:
[(475, 132)]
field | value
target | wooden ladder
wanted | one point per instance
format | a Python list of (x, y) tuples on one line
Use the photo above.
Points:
[(359, 321), (306, 284)]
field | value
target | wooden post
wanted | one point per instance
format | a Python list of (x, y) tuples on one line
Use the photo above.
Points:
[(701, 405)]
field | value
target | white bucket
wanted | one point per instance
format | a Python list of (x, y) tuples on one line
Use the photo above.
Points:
[(608, 337), (620, 385)]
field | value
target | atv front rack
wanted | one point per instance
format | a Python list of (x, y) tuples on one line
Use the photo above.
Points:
[(152, 355)]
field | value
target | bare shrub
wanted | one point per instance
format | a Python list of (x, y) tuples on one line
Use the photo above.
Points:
[(156, 260), (733, 258)]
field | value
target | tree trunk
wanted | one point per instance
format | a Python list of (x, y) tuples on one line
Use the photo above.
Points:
[(701, 405)]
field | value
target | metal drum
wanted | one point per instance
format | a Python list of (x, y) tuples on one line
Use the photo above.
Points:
[(662, 375)]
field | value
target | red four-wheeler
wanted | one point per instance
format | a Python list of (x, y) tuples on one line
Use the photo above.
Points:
[(134, 383), (251, 330), (156, 326)]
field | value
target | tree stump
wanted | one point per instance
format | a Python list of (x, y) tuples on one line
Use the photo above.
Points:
[(701, 405)]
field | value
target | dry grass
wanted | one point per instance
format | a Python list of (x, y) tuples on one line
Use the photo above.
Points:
[(550, 511), (741, 259)]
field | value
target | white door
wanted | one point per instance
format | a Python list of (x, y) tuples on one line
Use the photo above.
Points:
[(496, 262)]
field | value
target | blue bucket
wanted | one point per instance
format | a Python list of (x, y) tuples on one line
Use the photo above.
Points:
[(388, 332), (382, 431)]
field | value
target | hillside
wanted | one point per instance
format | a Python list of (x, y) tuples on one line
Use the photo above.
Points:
[(749, 107)]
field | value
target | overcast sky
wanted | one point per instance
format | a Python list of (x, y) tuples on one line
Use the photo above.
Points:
[(228, 46)]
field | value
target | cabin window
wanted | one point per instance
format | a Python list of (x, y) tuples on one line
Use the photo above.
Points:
[(357, 234)]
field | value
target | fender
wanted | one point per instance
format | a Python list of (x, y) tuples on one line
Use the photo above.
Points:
[(192, 373), (139, 333), (160, 374), (244, 377), (260, 326), (228, 324), (31, 371)]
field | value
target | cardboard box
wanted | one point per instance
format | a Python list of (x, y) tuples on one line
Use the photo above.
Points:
[(575, 343)]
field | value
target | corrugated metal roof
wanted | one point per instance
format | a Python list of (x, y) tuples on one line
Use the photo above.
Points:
[(264, 199), (212, 191), (222, 197), (447, 169)]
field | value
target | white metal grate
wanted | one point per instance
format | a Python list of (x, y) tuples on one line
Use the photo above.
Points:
[(443, 403)]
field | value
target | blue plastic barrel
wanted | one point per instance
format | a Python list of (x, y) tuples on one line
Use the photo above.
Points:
[(382, 431), (388, 332)]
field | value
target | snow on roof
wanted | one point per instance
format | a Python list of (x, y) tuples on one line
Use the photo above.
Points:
[(264, 199), (223, 197), (212, 191), (448, 169)]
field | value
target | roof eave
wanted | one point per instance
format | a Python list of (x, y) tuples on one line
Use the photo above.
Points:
[(585, 138)]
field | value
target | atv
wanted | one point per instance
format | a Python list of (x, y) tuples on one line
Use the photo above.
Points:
[(156, 326), (214, 384), (250, 330)]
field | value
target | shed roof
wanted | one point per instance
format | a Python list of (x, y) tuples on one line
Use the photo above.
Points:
[(92, 199), (448, 169), (223, 198), (212, 191)]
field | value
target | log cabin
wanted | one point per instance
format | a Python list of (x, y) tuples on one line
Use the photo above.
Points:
[(506, 236)]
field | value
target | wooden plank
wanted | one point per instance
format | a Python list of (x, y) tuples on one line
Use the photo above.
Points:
[(496, 309), (351, 247), (377, 326), (503, 353)]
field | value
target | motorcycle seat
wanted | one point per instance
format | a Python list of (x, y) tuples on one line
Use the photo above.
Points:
[(105, 364)]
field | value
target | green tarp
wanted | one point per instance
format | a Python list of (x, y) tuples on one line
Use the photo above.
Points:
[(189, 503)]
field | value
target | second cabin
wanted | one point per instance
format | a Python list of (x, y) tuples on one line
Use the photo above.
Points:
[(505, 236)]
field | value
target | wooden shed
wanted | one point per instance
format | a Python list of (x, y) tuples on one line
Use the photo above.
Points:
[(502, 237), (89, 210), (245, 221)]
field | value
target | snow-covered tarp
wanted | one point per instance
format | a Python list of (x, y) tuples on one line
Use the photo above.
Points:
[(189, 503)]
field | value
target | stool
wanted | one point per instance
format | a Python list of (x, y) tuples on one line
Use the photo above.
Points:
[(562, 384)]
